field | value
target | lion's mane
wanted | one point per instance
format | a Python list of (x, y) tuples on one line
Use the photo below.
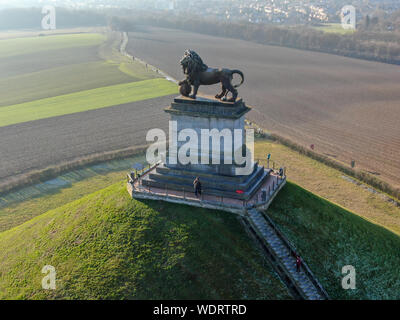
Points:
[(192, 64)]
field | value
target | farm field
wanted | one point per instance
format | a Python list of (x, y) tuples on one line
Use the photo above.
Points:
[(347, 108), (85, 100), (12, 34), (333, 28), (108, 246), (30, 45), (38, 144), (59, 81), (54, 92), (34, 68)]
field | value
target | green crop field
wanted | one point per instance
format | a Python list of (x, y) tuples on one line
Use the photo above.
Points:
[(86, 100), (41, 67), (60, 80), (108, 246), (329, 237), (29, 45)]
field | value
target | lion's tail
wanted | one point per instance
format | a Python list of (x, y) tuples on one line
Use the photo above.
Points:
[(240, 73)]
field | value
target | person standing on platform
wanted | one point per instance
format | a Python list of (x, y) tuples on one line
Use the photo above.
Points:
[(197, 186)]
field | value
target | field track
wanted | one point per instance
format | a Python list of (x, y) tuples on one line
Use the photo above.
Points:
[(38, 144), (348, 108)]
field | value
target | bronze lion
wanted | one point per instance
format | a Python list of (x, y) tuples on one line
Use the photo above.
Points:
[(197, 73)]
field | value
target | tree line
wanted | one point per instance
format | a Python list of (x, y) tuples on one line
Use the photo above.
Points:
[(365, 43), (372, 41)]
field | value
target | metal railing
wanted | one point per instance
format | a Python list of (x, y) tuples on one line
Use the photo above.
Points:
[(270, 194), (137, 174), (219, 200), (190, 196), (271, 164), (257, 201)]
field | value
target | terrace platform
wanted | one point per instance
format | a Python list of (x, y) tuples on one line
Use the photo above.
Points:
[(261, 199)]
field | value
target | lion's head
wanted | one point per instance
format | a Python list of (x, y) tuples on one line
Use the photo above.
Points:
[(191, 63)]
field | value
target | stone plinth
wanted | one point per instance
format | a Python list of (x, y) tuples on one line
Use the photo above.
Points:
[(217, 179), (207, 108)]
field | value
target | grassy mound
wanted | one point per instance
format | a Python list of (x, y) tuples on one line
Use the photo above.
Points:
[(330, 237), (108, 246)]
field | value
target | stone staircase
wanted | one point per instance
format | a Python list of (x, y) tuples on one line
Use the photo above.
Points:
[(283, 258)]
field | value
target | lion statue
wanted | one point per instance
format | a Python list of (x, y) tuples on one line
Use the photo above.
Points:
[(197, 73)]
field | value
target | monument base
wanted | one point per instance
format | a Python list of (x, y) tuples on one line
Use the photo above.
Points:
[(216, 179)]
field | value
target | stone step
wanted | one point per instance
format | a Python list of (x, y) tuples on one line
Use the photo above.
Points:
[(176, 184), (209, 176), (210, 181)]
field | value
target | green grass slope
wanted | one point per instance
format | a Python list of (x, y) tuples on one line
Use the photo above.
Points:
[(108, 246), (330, 237)]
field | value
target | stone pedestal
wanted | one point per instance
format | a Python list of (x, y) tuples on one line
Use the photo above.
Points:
[(216, 179)]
